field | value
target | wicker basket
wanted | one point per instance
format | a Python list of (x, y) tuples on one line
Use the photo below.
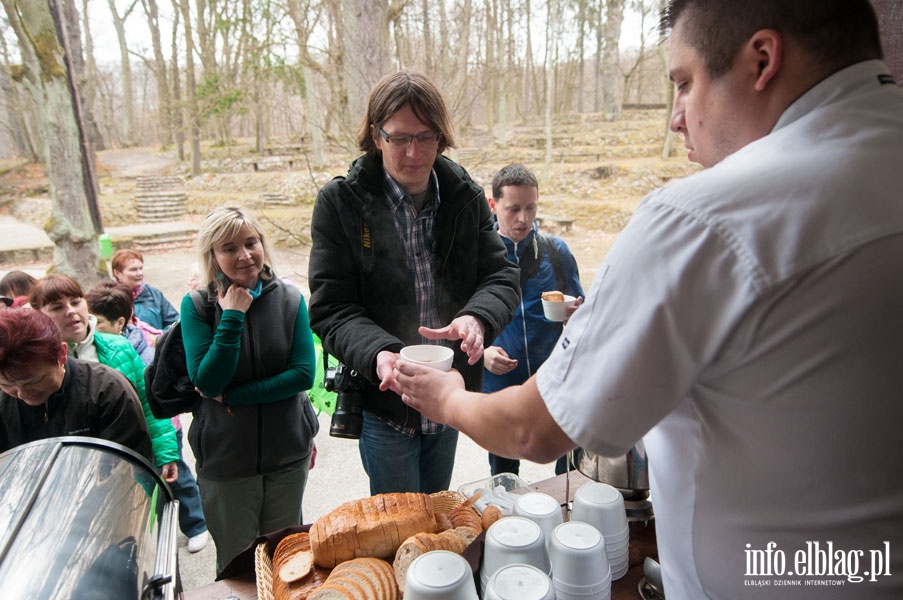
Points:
[(446, 501), (263, 568)]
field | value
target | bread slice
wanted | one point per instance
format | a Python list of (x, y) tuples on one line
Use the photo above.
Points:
[(330, 591), (386, 573), (467, 534), (289, 548), (369, 573), (373, 526)]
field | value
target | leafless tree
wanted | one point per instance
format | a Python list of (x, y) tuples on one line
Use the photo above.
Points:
[(72, 227)]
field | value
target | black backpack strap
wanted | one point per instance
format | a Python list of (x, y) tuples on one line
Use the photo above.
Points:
[(204, 305), (529, 263)]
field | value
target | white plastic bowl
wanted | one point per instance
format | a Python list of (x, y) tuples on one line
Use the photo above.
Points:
[(440, 575), (427, 355)]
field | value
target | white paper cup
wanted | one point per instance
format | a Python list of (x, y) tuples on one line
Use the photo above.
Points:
[(555, 311), (519, 582), (577, 555), (602, 506), (440, 575), (542, 509), (510, 541), (437, 357)]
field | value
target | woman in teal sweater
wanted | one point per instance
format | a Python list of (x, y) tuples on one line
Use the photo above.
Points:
[(61, 298), (250, 353)]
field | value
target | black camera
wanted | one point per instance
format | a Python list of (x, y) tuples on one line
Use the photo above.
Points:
[(348, 418)]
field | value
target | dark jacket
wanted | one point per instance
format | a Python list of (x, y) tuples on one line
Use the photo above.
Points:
[(262, 361), (94, 401), (362, 294)]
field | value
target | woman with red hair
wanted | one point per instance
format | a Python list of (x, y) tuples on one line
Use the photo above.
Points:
[(151, 307), (44, 393)]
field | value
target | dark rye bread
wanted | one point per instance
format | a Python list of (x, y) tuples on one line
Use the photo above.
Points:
[(373, 526)]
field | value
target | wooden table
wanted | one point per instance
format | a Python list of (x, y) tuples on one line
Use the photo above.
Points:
[(642, 544)]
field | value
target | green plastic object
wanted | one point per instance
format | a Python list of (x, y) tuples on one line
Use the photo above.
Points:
[(106, 246)]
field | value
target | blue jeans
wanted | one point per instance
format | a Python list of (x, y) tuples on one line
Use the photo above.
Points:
[(185, 489), (395, 462)]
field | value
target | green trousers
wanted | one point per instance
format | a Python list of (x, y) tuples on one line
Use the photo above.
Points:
[(238, 510)]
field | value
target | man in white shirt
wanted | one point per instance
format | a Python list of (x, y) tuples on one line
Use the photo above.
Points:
[(747, 323)]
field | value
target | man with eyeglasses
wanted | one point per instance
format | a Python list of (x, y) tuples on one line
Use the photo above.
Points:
[(404, 252)]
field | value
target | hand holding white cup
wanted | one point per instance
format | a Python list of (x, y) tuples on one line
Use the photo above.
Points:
[(428, 355)]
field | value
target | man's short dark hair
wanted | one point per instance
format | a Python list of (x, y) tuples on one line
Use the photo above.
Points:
[(837, 33), (394, 92), (513, 174)]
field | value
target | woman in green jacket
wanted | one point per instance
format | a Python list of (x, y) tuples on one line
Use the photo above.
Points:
[(61, 298)]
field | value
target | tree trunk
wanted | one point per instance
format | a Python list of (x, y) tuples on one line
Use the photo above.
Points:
[(366, 29), (890, 21), (86, 69), (167, 135), (611, 76), (178, 123), (551, 28), (128, 137), (581, 37), (71, 227), (190, 85), (17, 113)]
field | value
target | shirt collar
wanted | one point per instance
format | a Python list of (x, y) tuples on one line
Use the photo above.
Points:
[(832, 88), (399, 197)]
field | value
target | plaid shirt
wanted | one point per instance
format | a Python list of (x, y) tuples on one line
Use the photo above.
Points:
[(416, 232)]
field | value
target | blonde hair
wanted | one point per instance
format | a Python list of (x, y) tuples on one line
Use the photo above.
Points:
[(219, 227)]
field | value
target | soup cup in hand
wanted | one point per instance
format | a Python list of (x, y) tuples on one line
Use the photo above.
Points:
[(436, 357)]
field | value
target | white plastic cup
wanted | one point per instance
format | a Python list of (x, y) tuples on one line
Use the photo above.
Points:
[(519, 582), (577, 555), (440, 575), (602, 506), (542, 509), (513, 540), (428, 355), (555, 311)]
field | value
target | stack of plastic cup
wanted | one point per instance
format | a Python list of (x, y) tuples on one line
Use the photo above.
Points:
[(542, 509), (519, 582), (440, 575), (513, 540), (580, 569), (602, 506)]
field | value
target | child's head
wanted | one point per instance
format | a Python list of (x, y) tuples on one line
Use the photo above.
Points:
[(111, 303)]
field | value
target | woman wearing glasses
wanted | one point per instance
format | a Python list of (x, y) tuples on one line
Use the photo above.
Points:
[(404, 253)]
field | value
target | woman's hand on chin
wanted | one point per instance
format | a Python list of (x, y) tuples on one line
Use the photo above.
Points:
[(236, 298)]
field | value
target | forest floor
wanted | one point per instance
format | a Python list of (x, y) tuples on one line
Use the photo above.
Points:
[(598, 174)]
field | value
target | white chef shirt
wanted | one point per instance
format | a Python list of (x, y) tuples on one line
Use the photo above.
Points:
[(751, 317)]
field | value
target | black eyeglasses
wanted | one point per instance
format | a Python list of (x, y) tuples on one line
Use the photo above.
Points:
[(400, 141)]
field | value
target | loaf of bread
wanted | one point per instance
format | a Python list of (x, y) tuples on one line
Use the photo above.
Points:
[(373, 526), (422, 543), (292, 551), (553, 296)]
